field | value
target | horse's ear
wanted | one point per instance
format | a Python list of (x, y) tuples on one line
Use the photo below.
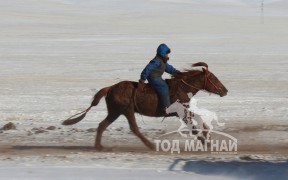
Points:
[(204, 70)]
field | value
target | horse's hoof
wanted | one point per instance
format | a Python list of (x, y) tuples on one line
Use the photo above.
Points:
[(183, 135), (202, 139), (150, 146), (102, 148), (99, 147)]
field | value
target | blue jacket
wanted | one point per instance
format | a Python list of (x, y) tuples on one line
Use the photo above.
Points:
[(154, 64)]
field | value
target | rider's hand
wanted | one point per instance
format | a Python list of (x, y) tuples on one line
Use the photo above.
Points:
[(141, 84)]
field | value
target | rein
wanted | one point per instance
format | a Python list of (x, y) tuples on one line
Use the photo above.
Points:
[(205, 83), (190, 85)]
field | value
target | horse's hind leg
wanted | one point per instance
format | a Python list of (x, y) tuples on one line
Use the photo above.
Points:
[(134, 128), (101, 128), (206, 131)]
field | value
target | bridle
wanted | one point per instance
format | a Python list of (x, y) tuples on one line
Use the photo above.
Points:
[(207, 74)]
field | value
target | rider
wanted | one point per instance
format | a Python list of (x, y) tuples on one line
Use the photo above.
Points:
[(153, 73)]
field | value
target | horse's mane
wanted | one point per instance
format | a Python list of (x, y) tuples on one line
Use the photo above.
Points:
[(200, 64), (189, 72)]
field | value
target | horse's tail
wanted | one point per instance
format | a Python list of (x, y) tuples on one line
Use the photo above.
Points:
[(217, 121), (95, 101), (220, 124)]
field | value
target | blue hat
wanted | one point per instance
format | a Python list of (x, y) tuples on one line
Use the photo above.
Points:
[(162, 50)]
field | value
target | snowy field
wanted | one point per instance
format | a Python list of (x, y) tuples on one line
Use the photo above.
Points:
[(56, 54)]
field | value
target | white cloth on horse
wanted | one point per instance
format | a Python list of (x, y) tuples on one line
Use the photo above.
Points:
[(199, 68)]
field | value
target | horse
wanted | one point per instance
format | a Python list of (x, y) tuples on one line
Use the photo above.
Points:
[(203, 116), (196, 120), (124, 98), (185, 118)]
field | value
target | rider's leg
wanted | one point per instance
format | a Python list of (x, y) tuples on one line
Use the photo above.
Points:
[(162, 90)]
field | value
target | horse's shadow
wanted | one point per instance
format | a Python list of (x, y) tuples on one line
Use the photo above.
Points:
[(72, 148), (257, 169), (87, 149)]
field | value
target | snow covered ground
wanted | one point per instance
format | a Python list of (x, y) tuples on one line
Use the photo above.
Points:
[(56, 54)]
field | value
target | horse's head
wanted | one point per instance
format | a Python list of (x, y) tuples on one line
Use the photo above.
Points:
[(212, 84), (200, 78)]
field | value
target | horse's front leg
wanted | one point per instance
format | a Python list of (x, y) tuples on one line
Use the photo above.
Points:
[(206, 131), (181, 128)]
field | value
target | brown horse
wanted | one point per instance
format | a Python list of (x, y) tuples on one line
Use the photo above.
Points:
[(125, 98)]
